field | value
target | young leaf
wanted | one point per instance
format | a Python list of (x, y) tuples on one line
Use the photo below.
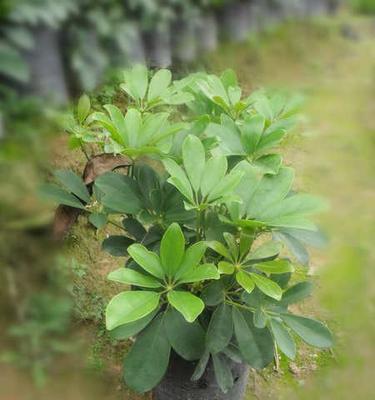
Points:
[(159, 83), (245, 281), (223, 373), (187, 339), (220, 329), (130, 306), (309, 330), (213, 173), (132, 124), (267, 286), (148, 260), (256, 345), (251, 132), (187, 304), (192, 258), (275, 267), (266, 250), (220, 249), (83, 108), (226, 268), (201, 273), (172, 249), (284, 341), (179, 179), (131, 277), (193, 156), (148, 359)]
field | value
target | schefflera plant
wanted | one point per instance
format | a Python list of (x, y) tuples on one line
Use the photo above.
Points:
[(214, 232)]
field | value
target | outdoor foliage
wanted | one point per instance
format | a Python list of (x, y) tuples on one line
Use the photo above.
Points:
[(213, 227)]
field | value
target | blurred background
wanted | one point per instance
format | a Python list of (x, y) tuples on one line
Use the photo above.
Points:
[(53, 342)]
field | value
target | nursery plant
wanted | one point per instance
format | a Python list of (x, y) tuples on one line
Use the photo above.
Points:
[(214, 230)]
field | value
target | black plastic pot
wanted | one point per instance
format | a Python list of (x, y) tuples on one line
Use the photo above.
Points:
[(158, 47), (177, 384), (184, 43), (47, 79)]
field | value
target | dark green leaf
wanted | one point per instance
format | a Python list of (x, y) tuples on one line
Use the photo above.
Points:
[(187, 339), (297, 292), (284, 341), (148, 359), (213, 294), (60, 196), (223, 373), (117, 245), (220, 329), (201, 366), (98, 220), (73, 183)]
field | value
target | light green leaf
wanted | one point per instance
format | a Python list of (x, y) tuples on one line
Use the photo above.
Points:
[(133, 122), (309, 330), (283, 339), (192, 258), (136, 82), (268, 287), (172, 249), (251, 132), (159, 83), (266, 250), (226, 268), (148, 260), (201, 273), (269, 163), (220, 329), (148, 359), (118, 129), (179, 179), (132, 277), (275, 267), (83, 108), (73, 183), (219, 248), (213, 173), (187, 304), (226, 186), (193, 156), (130, 306), (245, 281)]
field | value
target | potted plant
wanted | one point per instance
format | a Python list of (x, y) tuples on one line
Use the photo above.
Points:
[(214, 232)]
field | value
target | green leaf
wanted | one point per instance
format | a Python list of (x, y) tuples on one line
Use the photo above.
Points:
[(136, 82), (118, 193), (269, 163), (309, 330), (213, 173), (148, 359), (83, 108), (275, 267), (226, 186), (148, 260), (193, 156), (220, 329), (192, 258), (159, 83), (172, 249), (266, 250), (223, 373), (229, 78), (133, 123), (226, 268), (201, 366), (131, 277), (245, 281), (187, 339), (201, 273), (260, 318), (251, 132), (283, 339), (256, 345), (213, 294), (125, 331), (117, 245), (220, 249), (118, 131), (130, 306), (297, 292), (60, 196), (134, 227), (179, 179), (267, 286), (187, 304), (73, 183), (98, 220)]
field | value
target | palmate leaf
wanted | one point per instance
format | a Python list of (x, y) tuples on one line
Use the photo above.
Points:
[(245, 281), (200, 273), (192, 258), (129, 307), (148, 359), (189, 305), (131, 277), (187, 339), (172, 249), (148, 260), (268, 287), (309, 330), (256, 345)]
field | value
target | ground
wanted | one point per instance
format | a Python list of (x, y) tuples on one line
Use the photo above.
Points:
[(333, 153)]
